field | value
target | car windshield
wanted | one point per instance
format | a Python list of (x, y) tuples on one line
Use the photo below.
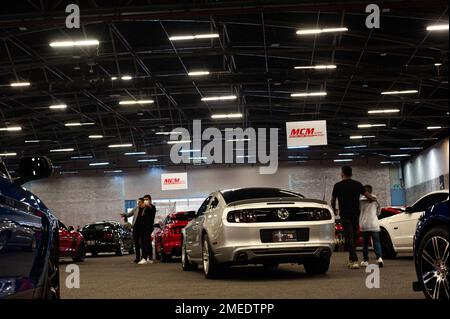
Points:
[(235, 195), (104, 226)]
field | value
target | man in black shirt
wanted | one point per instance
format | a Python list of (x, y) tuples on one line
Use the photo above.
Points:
[(348, 192), (150, 213)]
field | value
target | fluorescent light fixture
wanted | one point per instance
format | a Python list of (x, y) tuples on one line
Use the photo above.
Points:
[(355, 146), (5, 154), (131, 102), (19, 84), (58, 107), (434, 127), (11, 128), (95, 136), (67, 172), (194, 37), (437, 64), (227, 116), (316, 67), (113, 78), (135, 153), (32, 141), (298, 147), (99, 164), (425, 139), (297, 156), (148, 160), (120, 145), (245, 156), (126, 77), (81, 43), (198, 158), (60, 150), (415, 148), (219, 98), (385, 111), (167, 133), (388, 162), (358, 137), (198, 73), (73, 124), (82, 157), (113, 171), (240, 140), (370, 125), (305, 94), (400, 155), (319, 31), (179, 142), (437, 27), (399, 92), (343, 160), (348, 154), (190, 151)]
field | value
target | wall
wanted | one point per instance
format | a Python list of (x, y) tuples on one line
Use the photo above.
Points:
[(422, 173), (80, 199)]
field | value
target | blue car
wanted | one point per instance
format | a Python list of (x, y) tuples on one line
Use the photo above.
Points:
[(431, 250), (29, 251)]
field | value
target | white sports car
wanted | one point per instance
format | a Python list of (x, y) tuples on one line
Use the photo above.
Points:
[(397, 231), (265, 226)]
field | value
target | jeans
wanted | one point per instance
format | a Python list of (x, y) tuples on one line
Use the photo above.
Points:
[(142, 241), (375, 235), (350, 223)]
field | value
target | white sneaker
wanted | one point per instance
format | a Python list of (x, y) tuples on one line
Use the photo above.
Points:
[(380, 262), (149, 261), (142, 262), (364, 263), (354, 265)]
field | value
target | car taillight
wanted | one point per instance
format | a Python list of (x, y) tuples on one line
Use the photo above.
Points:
[(175, 231), (241, 216), (107, 235)]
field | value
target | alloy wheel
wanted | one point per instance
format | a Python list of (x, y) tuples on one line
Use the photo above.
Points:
[(434, 267), (205, 257)]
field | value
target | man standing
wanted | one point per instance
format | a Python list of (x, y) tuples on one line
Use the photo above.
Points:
[(150, 213), (137, 225), (348, 192)]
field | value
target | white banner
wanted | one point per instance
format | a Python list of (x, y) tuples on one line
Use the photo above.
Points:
[(174, 181), (306, 133)]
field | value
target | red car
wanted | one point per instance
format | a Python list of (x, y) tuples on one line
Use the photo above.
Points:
[(167, 238), (71, 243)]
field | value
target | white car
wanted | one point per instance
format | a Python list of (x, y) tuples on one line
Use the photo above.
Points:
[(265, 226), (397, 231)]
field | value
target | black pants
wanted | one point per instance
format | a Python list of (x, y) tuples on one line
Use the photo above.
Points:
[(350, 222), (142, 242)]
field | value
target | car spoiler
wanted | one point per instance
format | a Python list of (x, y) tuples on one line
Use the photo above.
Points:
[(277, 201)]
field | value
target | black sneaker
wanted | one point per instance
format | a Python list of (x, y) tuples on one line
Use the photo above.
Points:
[(136, 261)]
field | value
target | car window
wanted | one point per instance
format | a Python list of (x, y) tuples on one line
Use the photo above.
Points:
[(214, 203), (429, 201), (203, 207), (235, 195), (61, 225)]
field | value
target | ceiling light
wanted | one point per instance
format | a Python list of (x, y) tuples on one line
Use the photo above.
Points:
[(355, 146), (226, 116), (219, 98), (348, 154), (135, 153), (126, 78), (19, 84), (193, 37), (304, 94), (411, 148), (425, 139), (32, 141), (198, 158), (318, 31), (437, 27), (190, 151), (67, 172), (7, 154), (198, 73), (11, 128), (434, 127), (343, 160), (95, 136), (297, 156), (58, 106), (357, 137), (387, 162), (315, 67), (147, 160), (400, 155), (370, 125), (99, 164), (383, 111), (113, 171), (399, 92), (62, 44), (167, 133), (131, 102), (59, 150), (298, 147), (179, 142), (72, 124), (114, 78), (239, 140), (120, 145), (437, 64), (82, 157)]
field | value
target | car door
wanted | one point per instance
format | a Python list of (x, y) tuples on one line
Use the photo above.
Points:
[(65, 239), (194, 231)]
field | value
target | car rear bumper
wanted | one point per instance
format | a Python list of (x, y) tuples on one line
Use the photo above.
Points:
[(102, 247)]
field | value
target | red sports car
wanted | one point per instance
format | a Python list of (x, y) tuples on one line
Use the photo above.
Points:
[(167, 238), (71, 243)]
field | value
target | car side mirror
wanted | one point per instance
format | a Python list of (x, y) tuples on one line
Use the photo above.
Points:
[(33, 168), (409, 210)]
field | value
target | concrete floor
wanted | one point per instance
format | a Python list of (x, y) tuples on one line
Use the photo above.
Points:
[(109, 276)]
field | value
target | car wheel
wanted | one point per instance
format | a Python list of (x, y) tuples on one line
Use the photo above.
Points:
[(318, 266), (211, 268), (119, 251), (52, 290), (387, 248), (185, 263), (433, 263), (81, 255)]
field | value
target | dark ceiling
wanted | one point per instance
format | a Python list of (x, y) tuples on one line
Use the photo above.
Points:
[(253, 58)]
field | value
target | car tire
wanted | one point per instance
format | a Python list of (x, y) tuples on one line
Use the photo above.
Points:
[(81, 255), (211, 268), (185, 262), (119, 250), (318, 266), (387, 248), (429, 264), (51, 286)]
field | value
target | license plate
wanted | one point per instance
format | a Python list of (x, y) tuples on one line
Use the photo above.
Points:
[(91, 242), (281, 236)]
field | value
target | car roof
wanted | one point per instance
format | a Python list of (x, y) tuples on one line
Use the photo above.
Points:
[(442, 191)]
